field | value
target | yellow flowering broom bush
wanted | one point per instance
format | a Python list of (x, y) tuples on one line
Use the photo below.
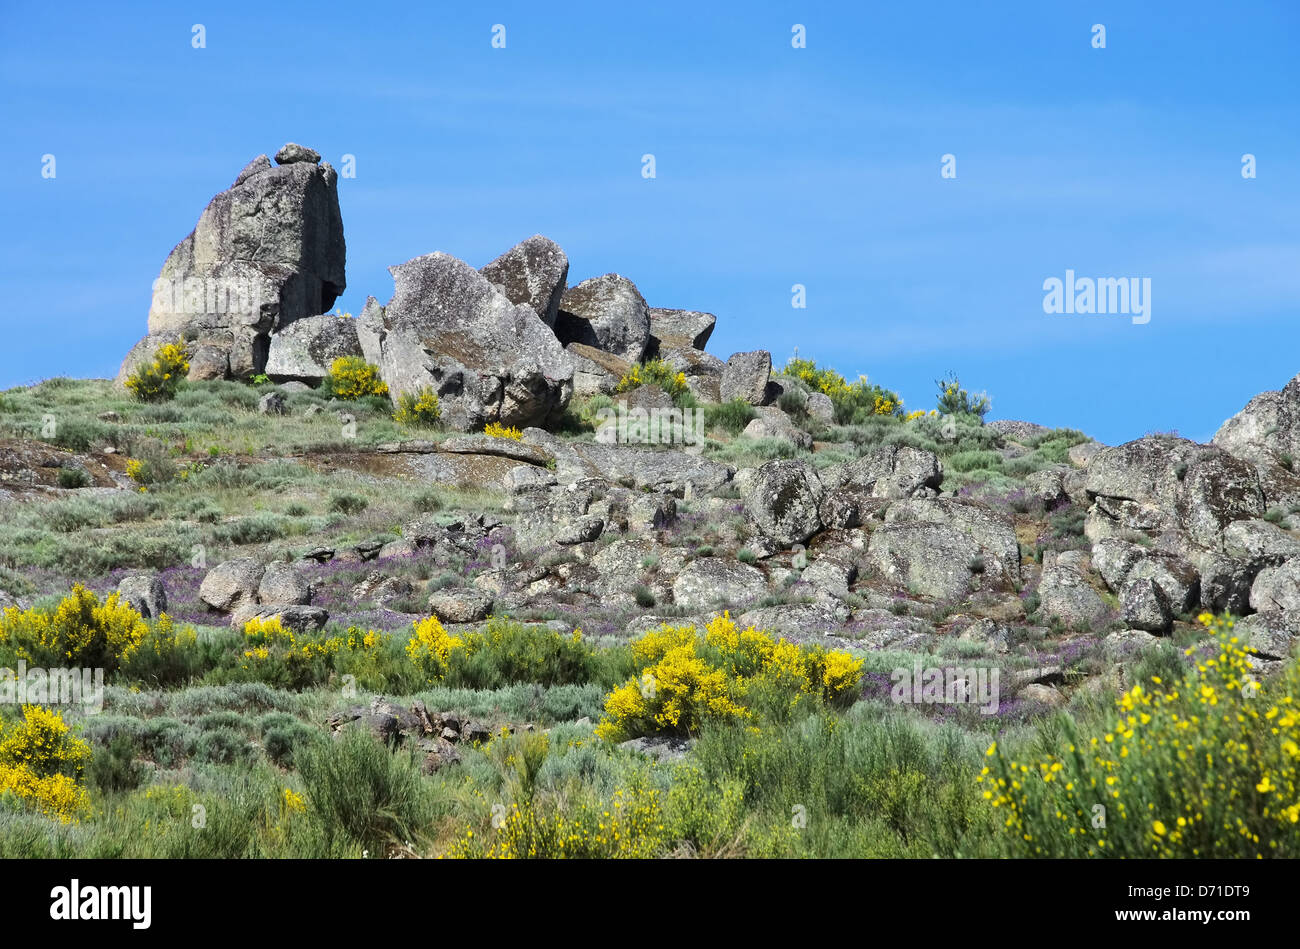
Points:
[(351, 377), (497, 430), (506, 652), (80, 630), (277, 655), (1204, 766), (654, 372), (158, 380), (684, 678), (40, 763), (111, 635), (852, 400), (419, 409)]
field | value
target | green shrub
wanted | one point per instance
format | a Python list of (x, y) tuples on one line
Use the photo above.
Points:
[(73, 478), (954, 400), (285, 743), (113, 767), (364, 794), (349, 504), (731, 417)]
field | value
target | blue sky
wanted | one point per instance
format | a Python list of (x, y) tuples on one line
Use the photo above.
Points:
[(775, 166)]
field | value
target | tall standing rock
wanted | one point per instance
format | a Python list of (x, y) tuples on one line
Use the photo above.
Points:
[(267, 251), (449, 328), (533, 272)]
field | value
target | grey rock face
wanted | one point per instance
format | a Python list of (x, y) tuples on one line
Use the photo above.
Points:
[(945, 549), (266, 252), (292, 152), (1159, 483), (1274, 635), (307, 348), (708, 582), (229, 584), (460, 606), (1017, 431), (1145, 607), (1047, 487), (1225, 582), (303, 620), (1120, 562), (1259, 541), (488, 360), (689, 325), (273, 403), (533, 273), (1277, 588), (821, 407), (282, 584), (745, 377), (703, 371), (146, 595), (783, 499), (1267, 428), (891, 471), (991, 530), (209, 362), (607, 313), (776, 424), (595, 371), (1064, 593), (664, 470), (929, 560)]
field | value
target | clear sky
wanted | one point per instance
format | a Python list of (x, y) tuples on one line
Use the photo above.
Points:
[(775, 166)]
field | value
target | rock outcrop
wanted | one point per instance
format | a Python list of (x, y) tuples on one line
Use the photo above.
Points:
[(266, 252), (448, 328)]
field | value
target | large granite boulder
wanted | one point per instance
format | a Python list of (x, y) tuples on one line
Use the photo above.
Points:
[(533, 272), (1267, 428), (745, 377), (889, 471), (1161, 483), (267, 251), (689, 326), (449, 328), (607, 313), (783, 500), (946, 549), (306, 348)]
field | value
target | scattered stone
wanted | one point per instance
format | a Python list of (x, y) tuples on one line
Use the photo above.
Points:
[(273, 403), (232, 583), (145, 594), (460, 606)]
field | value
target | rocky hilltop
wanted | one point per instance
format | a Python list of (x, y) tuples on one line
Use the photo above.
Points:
[(250, 288), (596, 479)]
